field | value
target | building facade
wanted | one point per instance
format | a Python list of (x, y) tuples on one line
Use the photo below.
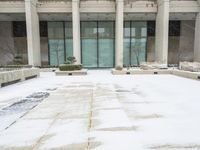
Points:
[(99, 33)]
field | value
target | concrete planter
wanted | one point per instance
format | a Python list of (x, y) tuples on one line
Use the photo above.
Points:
[(181, 73), (70, 73), (187, 74), (17, 75), (140, 71), (189, 66), (48, 69)]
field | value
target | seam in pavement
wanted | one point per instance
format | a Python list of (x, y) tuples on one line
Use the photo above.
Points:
[(20, 117), (37, 144), (90, 117)]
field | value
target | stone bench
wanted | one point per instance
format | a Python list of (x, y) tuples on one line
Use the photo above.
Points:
[(152, 65), (187, 74), (140, 71), (7, 77), (189, 66), (177, 72)]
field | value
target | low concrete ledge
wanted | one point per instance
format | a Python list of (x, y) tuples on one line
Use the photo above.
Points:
[(187, 74), (140, 71), (181, 73), (48, 69), (71, 73), (9, 77)]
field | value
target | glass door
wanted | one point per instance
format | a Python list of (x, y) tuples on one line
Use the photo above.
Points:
[(106, 44), (97, 44), (136, 34), (56, 43), (89, 44), (68, 39)]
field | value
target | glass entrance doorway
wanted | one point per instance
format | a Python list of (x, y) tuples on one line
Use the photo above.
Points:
[(135, 38), (97, 44), (60, 42)]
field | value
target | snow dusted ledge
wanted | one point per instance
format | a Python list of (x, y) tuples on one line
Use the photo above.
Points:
[(181, 73), (187, 74), (8, 77), (140, 71), (68, 73)]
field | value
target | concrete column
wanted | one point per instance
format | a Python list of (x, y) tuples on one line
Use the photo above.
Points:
[(119, 26), (162, 25), (76, 30), (33, 34), (197, 39)]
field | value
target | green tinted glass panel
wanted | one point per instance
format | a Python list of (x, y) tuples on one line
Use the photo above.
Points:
[(89, 52), (127, 30), (89, 44), (89, 29), (69, 47), (68, 30), (68, 39), (135, 44), (138, 51), (56, 42), (97, 39), (55, 30), (126, 52), (106, 52), (138, 29), (56, 48), (106, 29)]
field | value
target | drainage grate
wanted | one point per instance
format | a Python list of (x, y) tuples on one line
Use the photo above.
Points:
[(128, 73), (155, 72), (198, 77)]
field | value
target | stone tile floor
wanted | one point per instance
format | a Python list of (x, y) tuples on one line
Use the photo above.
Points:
[(105, 112)]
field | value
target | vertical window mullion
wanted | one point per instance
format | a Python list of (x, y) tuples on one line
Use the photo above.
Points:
[(130, 53), (97, 44), (64, 36)]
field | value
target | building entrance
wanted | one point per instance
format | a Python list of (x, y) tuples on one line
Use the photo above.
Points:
[(135, 39), (97, 44)]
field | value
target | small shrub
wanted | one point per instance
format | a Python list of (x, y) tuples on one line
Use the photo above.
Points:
[(70, 60), (17, 60), (118, 68), (70, 67)]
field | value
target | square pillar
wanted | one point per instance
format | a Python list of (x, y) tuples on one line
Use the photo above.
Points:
[(197, 39), (76, 30), (33, 33), (119, 34), (162, 25)]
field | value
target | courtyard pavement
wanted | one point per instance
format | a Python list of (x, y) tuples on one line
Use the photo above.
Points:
[(102, 112)]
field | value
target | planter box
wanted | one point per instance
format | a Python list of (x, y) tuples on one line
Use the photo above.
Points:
[(140, 71), (187, 74), (189, 66), (8, 77), (71, 73), (181, 73), (48, 69)]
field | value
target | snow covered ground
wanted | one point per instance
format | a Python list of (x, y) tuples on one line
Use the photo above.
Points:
[(104, 112)]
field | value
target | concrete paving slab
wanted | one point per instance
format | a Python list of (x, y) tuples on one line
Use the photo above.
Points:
[(106, 112)]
